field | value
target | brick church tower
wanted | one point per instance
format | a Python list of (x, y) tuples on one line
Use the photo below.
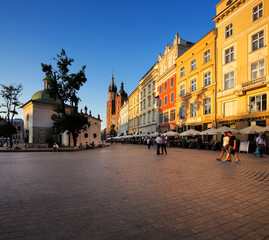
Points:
[(114, 103)]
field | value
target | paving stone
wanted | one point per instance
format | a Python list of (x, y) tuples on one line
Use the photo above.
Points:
[(128, 192)]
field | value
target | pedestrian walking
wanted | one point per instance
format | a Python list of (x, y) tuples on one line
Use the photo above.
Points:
[(163, 144), (148, 143), (158, 142), (231, 148), (260, 143), (224, 147)]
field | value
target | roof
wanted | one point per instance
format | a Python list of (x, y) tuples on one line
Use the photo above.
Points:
[(43, 96)]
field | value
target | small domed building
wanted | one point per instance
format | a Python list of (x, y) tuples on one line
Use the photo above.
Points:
[(38, 122)]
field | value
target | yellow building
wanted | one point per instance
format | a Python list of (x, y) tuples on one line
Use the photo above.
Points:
[(134, 111), (242, 60), (196, 84)]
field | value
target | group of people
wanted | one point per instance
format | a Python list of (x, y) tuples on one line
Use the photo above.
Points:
[(161, 144), (229, 146)]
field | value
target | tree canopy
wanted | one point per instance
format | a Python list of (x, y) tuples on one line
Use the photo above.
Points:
[(10, 95), (64, 87)]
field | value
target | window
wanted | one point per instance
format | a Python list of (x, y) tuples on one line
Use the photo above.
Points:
[(229, 55), (172, 82), (172, 97), (229, 31), (193, 85), (193, 64), (149, 101), (160, 103), (161, 117), (229, 80), (144, 104), (166, 117), (137, 120), (258, 103), (141, 95), (257, 41), (153, 85), (141, 120), (172, 115), (165, 100), (194, 109), (257, 12), (144, 119), (257, 69), (206, 56), (207, 106), (182, 112), (149, 117), (144, 92), (141, 106), (165, 86), (182, 72), (149, 89), (153, 97), (182, 90), (207, 79), (153, 116), (229, 108), (160, 89)]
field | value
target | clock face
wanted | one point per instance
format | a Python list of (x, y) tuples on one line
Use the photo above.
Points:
[(229, 2)]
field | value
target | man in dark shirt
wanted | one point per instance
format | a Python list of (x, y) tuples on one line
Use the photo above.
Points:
[(231, 148)]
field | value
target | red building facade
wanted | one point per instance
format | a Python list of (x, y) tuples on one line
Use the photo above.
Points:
[(167, 103)]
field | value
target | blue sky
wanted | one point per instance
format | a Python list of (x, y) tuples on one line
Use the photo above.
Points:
[(125, 36)]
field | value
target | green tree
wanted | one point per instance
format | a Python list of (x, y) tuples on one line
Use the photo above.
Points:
[(63, 88), (10, 95)]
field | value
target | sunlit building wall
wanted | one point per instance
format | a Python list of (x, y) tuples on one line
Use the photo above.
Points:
[(242, 63), (195, 100), (147, 103)]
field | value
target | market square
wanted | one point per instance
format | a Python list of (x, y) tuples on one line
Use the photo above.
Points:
[(126, 191)]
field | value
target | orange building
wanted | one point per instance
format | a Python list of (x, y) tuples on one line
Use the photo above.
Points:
[(167, 103), (114, 103)]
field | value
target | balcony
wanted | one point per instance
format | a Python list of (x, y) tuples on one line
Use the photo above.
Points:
[(255, 82), (252, 84)]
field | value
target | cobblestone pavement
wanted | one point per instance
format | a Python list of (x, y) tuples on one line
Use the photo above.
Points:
[(129, 192)]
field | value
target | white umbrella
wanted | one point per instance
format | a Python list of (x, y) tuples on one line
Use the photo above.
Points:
[(224, 129), (171, 134), (155, 134), (266, 129), (210, 131), (141, 135), (190, 132), (252, 130)]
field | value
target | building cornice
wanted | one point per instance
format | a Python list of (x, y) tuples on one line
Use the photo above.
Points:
[(228, 10)]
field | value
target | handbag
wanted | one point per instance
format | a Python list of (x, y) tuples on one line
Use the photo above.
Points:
[(257, 151)]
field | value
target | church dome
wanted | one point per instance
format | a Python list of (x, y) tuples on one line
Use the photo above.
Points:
[(43, 96)]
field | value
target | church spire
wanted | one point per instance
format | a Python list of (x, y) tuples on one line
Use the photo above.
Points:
[(112, 86)]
